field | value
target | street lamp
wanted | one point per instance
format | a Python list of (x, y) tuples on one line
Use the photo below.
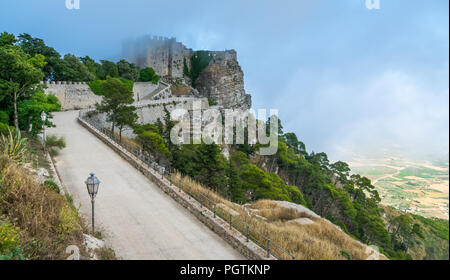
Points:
[(43, 118), (92, 184)]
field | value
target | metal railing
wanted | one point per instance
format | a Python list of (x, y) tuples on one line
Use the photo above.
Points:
[(249, 232)]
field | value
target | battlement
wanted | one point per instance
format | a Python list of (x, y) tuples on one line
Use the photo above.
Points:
[(62, 83), (161, 38), (166, 56)]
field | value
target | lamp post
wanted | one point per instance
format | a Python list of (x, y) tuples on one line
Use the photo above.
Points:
[(43, 118), (92, 184)]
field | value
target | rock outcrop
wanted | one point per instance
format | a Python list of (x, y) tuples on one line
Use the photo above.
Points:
[(223, 81)]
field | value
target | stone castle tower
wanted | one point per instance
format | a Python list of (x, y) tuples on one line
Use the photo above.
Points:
[(222, 80), (165, 55)]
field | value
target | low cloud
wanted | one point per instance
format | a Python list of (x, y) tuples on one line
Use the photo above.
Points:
[(394, 110)]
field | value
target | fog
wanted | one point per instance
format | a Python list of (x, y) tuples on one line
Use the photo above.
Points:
[(345, 79)]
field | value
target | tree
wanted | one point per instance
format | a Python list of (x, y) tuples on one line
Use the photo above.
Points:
[(117, 96), (319, 159), (341, 170), (19, 73), (235, 191), (72, 69), (30, 109), (7, 39), (127, 70), (153, 143), (365, 185), (126, 116), (109, 69), (211, 166), (33, 46), (148, 75), (151, 140), (160, 126), (93, 67), (292, 141)]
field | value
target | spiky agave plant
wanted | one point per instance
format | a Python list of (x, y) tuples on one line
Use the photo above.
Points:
[(15, 146)]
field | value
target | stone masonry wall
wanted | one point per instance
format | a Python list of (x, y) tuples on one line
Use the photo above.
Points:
[(78, 95), (150, 111), (73, 95)]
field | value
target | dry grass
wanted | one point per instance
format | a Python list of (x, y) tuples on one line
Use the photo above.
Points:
[(130, 142), (48, 223), (106, 254), (319, 241), (180, 89)]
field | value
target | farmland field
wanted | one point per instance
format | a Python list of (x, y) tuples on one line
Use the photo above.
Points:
[(418, 187)]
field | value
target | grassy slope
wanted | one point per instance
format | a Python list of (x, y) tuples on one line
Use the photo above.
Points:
[(45, 221), (320, 241)]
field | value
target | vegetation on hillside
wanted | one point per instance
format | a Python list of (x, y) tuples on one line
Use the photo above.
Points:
[(349, 201), (36, 222), (97, 85), (21, 97), (199, 61)]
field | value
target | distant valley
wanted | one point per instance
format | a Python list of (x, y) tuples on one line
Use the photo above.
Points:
[(416, 186)]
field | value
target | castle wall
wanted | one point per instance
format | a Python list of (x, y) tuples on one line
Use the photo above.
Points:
[(143, 89), (78, 95), (150, 111), (73, 95)]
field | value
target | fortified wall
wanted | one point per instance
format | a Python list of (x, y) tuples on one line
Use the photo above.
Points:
[(78, 95), (149, 111), (72, 95)]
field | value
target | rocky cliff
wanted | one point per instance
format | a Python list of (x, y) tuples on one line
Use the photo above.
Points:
[(223, 81)]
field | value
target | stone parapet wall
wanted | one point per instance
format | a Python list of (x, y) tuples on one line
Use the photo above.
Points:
[(149, 111), (78, 95), (72, 95)]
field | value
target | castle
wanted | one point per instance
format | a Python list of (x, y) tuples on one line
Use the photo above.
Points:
[(165, 55), (221, 81)]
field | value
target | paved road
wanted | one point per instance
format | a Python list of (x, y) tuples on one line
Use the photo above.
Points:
[(141, 222)]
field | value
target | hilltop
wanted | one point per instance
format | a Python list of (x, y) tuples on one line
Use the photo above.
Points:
[(163, 75)]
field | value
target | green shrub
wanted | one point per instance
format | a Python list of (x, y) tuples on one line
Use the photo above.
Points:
[(211, 102), (148, 75), (9, 241), (97, 88), (52, 185), (4, 117), (54, 144), (199, 61)]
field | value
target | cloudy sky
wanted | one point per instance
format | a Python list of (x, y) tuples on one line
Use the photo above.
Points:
[(344, 78)]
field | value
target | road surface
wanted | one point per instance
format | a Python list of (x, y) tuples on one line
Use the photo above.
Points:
[(140, 221)]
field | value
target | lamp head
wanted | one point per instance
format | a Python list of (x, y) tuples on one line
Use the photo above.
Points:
[(92, 184)]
